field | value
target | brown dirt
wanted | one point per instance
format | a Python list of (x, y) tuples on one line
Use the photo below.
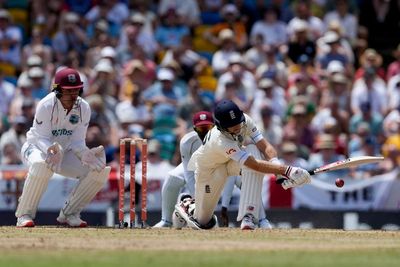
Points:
[(53, 238)]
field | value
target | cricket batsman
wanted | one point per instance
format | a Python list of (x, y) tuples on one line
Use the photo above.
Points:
[(56, 144), (235, 146), (181, 176)]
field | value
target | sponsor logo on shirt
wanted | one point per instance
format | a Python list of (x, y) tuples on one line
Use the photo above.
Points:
[(38, 122), (230, 151), (61, 132), (254, 129), (74, 119)]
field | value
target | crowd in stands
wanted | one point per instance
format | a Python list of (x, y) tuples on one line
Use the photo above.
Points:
[(321, 78)]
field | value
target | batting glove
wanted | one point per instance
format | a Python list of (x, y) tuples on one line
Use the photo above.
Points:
[(296, 177)]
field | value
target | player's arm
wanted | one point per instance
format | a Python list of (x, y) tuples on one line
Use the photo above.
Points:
[(42, 129), (266, 149), (266, 166)]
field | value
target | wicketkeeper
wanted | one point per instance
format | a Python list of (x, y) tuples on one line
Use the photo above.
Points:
[(56, 144)]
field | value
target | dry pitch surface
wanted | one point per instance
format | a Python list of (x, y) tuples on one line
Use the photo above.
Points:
[(50, 246)]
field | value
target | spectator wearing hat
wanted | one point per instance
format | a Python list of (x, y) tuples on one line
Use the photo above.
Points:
[(164, 92), (269, 91), (272, 67), (273, 30), (347, 21), (23, 102), (303, 13), (38, 45), (334, 51), (69, 36), (298, 129), (102, 80), (228, 48), (36, 61), (171, 30), (255, 55), (325, 153), (242, 79), (10, 41), (300, 43), (133, 36), (289, 155), (16, 135), (370, 59), (370, 88), (188, 10), (134, 79), (230, 15)]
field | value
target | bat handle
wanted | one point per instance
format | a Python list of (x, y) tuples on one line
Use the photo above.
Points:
[(281, 179)]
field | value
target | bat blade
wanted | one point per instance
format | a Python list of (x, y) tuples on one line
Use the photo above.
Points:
[(341, 164)]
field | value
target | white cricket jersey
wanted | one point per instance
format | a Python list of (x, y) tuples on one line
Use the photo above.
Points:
[(53, 124), (218, 148), (189, 143)]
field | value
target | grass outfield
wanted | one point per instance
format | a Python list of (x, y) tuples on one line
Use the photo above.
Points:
[(50, 246)]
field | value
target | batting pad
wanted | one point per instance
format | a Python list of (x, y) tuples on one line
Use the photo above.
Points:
[(35, 185), (169, 194), (250, 193), (85, 191)]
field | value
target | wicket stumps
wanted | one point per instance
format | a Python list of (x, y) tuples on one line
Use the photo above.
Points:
[(133, 145)]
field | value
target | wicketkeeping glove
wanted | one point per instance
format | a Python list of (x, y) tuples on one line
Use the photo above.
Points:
[(94, 158), (55, 154), (296, 177)]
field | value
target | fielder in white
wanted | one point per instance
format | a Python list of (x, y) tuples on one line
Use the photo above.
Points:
[(223, 154), (56, 144), (181, 176)]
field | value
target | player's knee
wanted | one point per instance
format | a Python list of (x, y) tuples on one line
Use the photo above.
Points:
[(100, 177), (39, 169)]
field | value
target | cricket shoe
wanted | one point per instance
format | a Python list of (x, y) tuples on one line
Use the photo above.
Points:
[(25, 221), (163, 224), (248, 222), (184, 210), (264, 224), (72, 220)]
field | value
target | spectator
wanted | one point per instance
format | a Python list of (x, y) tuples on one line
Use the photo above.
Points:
[(69, 36), (394, 66), (170, 32), (272, 30), (347, 21), (188, 10), (10, 41), (230, 15), (303, 14), (370, 89), (300, 43), (289, 155), (16, 136), (228, 48), (326, 153), (239, 78)]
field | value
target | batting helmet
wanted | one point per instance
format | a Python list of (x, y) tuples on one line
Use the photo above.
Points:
[(67, 79), (227, 114)]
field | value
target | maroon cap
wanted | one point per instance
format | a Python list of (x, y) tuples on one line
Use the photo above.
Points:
[(202, 118), (68, 79)]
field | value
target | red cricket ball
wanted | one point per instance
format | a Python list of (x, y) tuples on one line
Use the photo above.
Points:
[(339, 182)]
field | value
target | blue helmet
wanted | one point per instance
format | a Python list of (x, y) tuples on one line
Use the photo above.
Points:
[(227, 114)]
